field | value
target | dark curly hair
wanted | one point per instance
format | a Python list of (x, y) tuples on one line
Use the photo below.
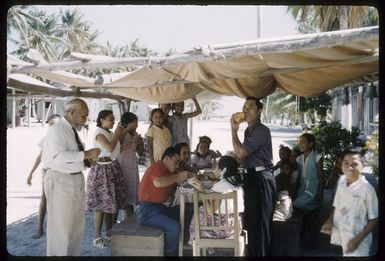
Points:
[(231, 175), (127, 118), (102, 115), (154, 111)]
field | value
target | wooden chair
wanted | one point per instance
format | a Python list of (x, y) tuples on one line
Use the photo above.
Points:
[(236, 241)]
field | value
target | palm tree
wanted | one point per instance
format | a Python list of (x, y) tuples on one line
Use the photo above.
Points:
[(75, 33), (36, 30), (330, 18), (18, 20), (280, 103)]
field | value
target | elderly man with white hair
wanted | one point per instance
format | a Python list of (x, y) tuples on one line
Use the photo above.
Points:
[(64, 159)]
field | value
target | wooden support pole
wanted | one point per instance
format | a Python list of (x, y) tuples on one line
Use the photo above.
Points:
[(13, 117), (37, 89), (29, 110)]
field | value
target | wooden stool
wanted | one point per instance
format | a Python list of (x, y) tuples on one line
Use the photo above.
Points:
[(129, 238)]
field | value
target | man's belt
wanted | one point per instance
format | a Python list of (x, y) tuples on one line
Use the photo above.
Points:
[(73, 173), (260, 168)]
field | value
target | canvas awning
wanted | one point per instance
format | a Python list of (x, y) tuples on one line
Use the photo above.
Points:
[(303, 65)]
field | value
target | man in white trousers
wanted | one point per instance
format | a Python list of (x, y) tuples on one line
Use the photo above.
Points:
[(64, 159)]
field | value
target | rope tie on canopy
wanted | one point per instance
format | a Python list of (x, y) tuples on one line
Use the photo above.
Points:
[(211, 52), (258, 52), (149, 61)]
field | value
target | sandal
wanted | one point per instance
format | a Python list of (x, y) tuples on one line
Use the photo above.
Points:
[(108, 239), (98, 242)]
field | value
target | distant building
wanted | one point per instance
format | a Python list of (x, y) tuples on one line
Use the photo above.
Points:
[(363, 108)]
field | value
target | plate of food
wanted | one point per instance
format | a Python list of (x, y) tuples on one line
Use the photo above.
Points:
[(103, 160)]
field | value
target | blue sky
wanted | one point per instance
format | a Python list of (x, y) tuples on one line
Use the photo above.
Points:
[(182, 27), (162, 27)]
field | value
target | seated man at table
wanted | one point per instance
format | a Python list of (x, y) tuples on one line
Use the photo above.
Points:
[(184, 152), (154, 189)]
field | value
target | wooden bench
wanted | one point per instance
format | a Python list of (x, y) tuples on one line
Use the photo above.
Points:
[(129, 238)]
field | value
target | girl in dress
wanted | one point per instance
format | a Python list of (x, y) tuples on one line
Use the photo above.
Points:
[(229, 179), (158, 136), (202, 159), (53, 119), (131, 145), (310, 192), (105, 187)]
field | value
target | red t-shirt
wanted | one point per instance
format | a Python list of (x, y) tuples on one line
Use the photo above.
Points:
[(147, 190)]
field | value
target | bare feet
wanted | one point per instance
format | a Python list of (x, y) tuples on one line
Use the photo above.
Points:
[(37, 235)]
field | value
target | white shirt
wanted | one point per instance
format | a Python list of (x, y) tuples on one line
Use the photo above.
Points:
[(354, 206), (60, 150), (223, 186), (109, 136)]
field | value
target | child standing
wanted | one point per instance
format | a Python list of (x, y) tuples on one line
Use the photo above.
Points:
[(284, 154), (283, 179), (355, 211), (53, 119), (131, 144), (166, 108), (179, 121), (310, 192), (105, 186), (158, 136)]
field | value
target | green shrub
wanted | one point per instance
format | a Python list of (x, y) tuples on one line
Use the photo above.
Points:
[(331, 139), (372, 147)]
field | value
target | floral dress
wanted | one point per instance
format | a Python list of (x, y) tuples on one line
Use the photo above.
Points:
[(105, 186)]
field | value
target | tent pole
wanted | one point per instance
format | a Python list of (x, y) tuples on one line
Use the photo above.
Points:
[(43, 109), (13, 117), (191, 127), (29, 109)]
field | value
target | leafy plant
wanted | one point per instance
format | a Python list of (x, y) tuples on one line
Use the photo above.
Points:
[(331, 139), (372, 152), (321, 104)]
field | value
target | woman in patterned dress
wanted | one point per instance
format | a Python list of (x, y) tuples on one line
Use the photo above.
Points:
[(105, 187), (131, 144)]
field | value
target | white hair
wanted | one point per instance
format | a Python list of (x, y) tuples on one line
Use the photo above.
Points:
[(74, 104)]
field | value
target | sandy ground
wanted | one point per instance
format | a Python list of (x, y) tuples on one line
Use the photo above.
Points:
[(23, 201)]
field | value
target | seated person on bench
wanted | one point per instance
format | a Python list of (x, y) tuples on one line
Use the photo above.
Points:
[(154, 189)]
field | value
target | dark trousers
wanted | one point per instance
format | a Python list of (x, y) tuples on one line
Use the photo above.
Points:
[(259, 199), (309, 230), (166, 218)]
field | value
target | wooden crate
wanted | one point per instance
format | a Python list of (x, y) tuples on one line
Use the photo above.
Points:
[(129, 238)]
